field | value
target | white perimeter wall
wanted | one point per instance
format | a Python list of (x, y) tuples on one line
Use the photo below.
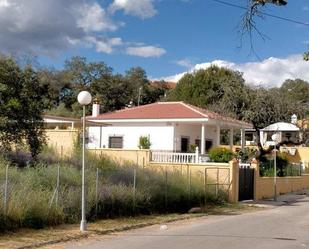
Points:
[(161, 135), (194, 132)]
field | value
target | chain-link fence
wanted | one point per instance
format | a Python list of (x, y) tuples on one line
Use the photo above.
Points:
[(35, 197)]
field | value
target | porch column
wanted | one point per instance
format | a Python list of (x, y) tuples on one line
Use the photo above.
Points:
[(231, 138), (218, 138), (203, 139), (242, 139)]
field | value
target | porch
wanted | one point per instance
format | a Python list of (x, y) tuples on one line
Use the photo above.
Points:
[(187, 145)]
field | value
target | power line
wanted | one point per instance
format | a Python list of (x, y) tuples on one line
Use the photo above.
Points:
[(263, 13)]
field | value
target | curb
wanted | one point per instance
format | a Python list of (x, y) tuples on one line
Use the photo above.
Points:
[(105, 232)]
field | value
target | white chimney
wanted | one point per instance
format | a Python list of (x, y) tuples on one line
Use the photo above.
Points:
[(95, 108), (294, 119)]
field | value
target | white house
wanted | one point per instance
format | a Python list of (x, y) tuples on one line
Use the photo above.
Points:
[(170, 126), (287, 132)]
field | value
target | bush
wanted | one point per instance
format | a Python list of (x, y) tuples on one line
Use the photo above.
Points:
[(144, 142), (221, 155), (284, 168), (247, 154)]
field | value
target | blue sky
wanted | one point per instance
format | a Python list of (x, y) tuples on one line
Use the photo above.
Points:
[(165, 37)]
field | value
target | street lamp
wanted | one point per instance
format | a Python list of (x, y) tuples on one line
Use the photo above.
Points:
[(84, 98), (139, 96), (275, 138)]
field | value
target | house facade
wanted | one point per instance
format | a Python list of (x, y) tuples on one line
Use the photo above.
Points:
[(170, 126)]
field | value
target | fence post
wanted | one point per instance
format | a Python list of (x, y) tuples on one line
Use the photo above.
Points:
[(205, 186), (189, 188), (217, 183), (61, 152), (234, 184), (6, 189), (96, 192), (134, 189), (58, 184), (165, 200), (255, 165)]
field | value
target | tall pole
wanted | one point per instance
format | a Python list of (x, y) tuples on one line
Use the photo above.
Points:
[(139, 96), (83, 224), (275, 175)]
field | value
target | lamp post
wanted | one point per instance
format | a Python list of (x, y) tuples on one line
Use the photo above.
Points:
[(84, 98), (275, 138), (139, 96)]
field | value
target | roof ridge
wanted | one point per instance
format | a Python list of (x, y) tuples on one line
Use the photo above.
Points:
[(169, 102), (128, 109), (193, 108)]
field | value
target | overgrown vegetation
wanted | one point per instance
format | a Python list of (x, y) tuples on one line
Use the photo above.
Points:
[(283, 166), (221, 155), (32, 201)]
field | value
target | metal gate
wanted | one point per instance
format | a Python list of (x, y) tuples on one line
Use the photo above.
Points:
[(246, 183)]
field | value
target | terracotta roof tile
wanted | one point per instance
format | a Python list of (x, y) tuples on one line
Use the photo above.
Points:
[(165, 110)]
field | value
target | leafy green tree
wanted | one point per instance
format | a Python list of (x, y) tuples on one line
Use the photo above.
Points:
[(22, 102), (218, 89)]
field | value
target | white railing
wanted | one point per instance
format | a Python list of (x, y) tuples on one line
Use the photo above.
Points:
[(171, 157), (243, 165)]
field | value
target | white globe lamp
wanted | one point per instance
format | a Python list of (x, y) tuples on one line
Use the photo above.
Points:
[(84, 98), (275, 138)]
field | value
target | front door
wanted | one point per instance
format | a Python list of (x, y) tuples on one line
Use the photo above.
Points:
[(184, 144), (208, 145)]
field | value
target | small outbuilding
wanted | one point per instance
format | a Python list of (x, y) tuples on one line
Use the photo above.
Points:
[(287, 133)]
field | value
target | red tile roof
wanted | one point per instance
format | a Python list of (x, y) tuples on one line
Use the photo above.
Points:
[(165, 110)]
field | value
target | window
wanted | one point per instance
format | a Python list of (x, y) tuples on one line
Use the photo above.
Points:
[(249, 136), (115, 142)]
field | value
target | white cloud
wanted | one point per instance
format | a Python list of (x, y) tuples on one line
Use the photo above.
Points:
[(269, 72), (140, 8), (146, 51), (94, 18), (51, 26), (4, 3), (184, 63), (104, 45)]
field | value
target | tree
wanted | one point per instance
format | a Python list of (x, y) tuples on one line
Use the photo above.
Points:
[(219, 89), (22, 102), (113, 91), (253, 11)]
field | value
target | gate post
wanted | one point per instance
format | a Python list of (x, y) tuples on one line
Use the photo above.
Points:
[(234, 184), (256, 166)]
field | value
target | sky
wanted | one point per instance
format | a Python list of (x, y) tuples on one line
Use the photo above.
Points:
[(165, 37)]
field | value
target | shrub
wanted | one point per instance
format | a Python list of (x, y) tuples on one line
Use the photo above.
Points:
[(221, 155), (247, 154), (144, 142), (284, 168)]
